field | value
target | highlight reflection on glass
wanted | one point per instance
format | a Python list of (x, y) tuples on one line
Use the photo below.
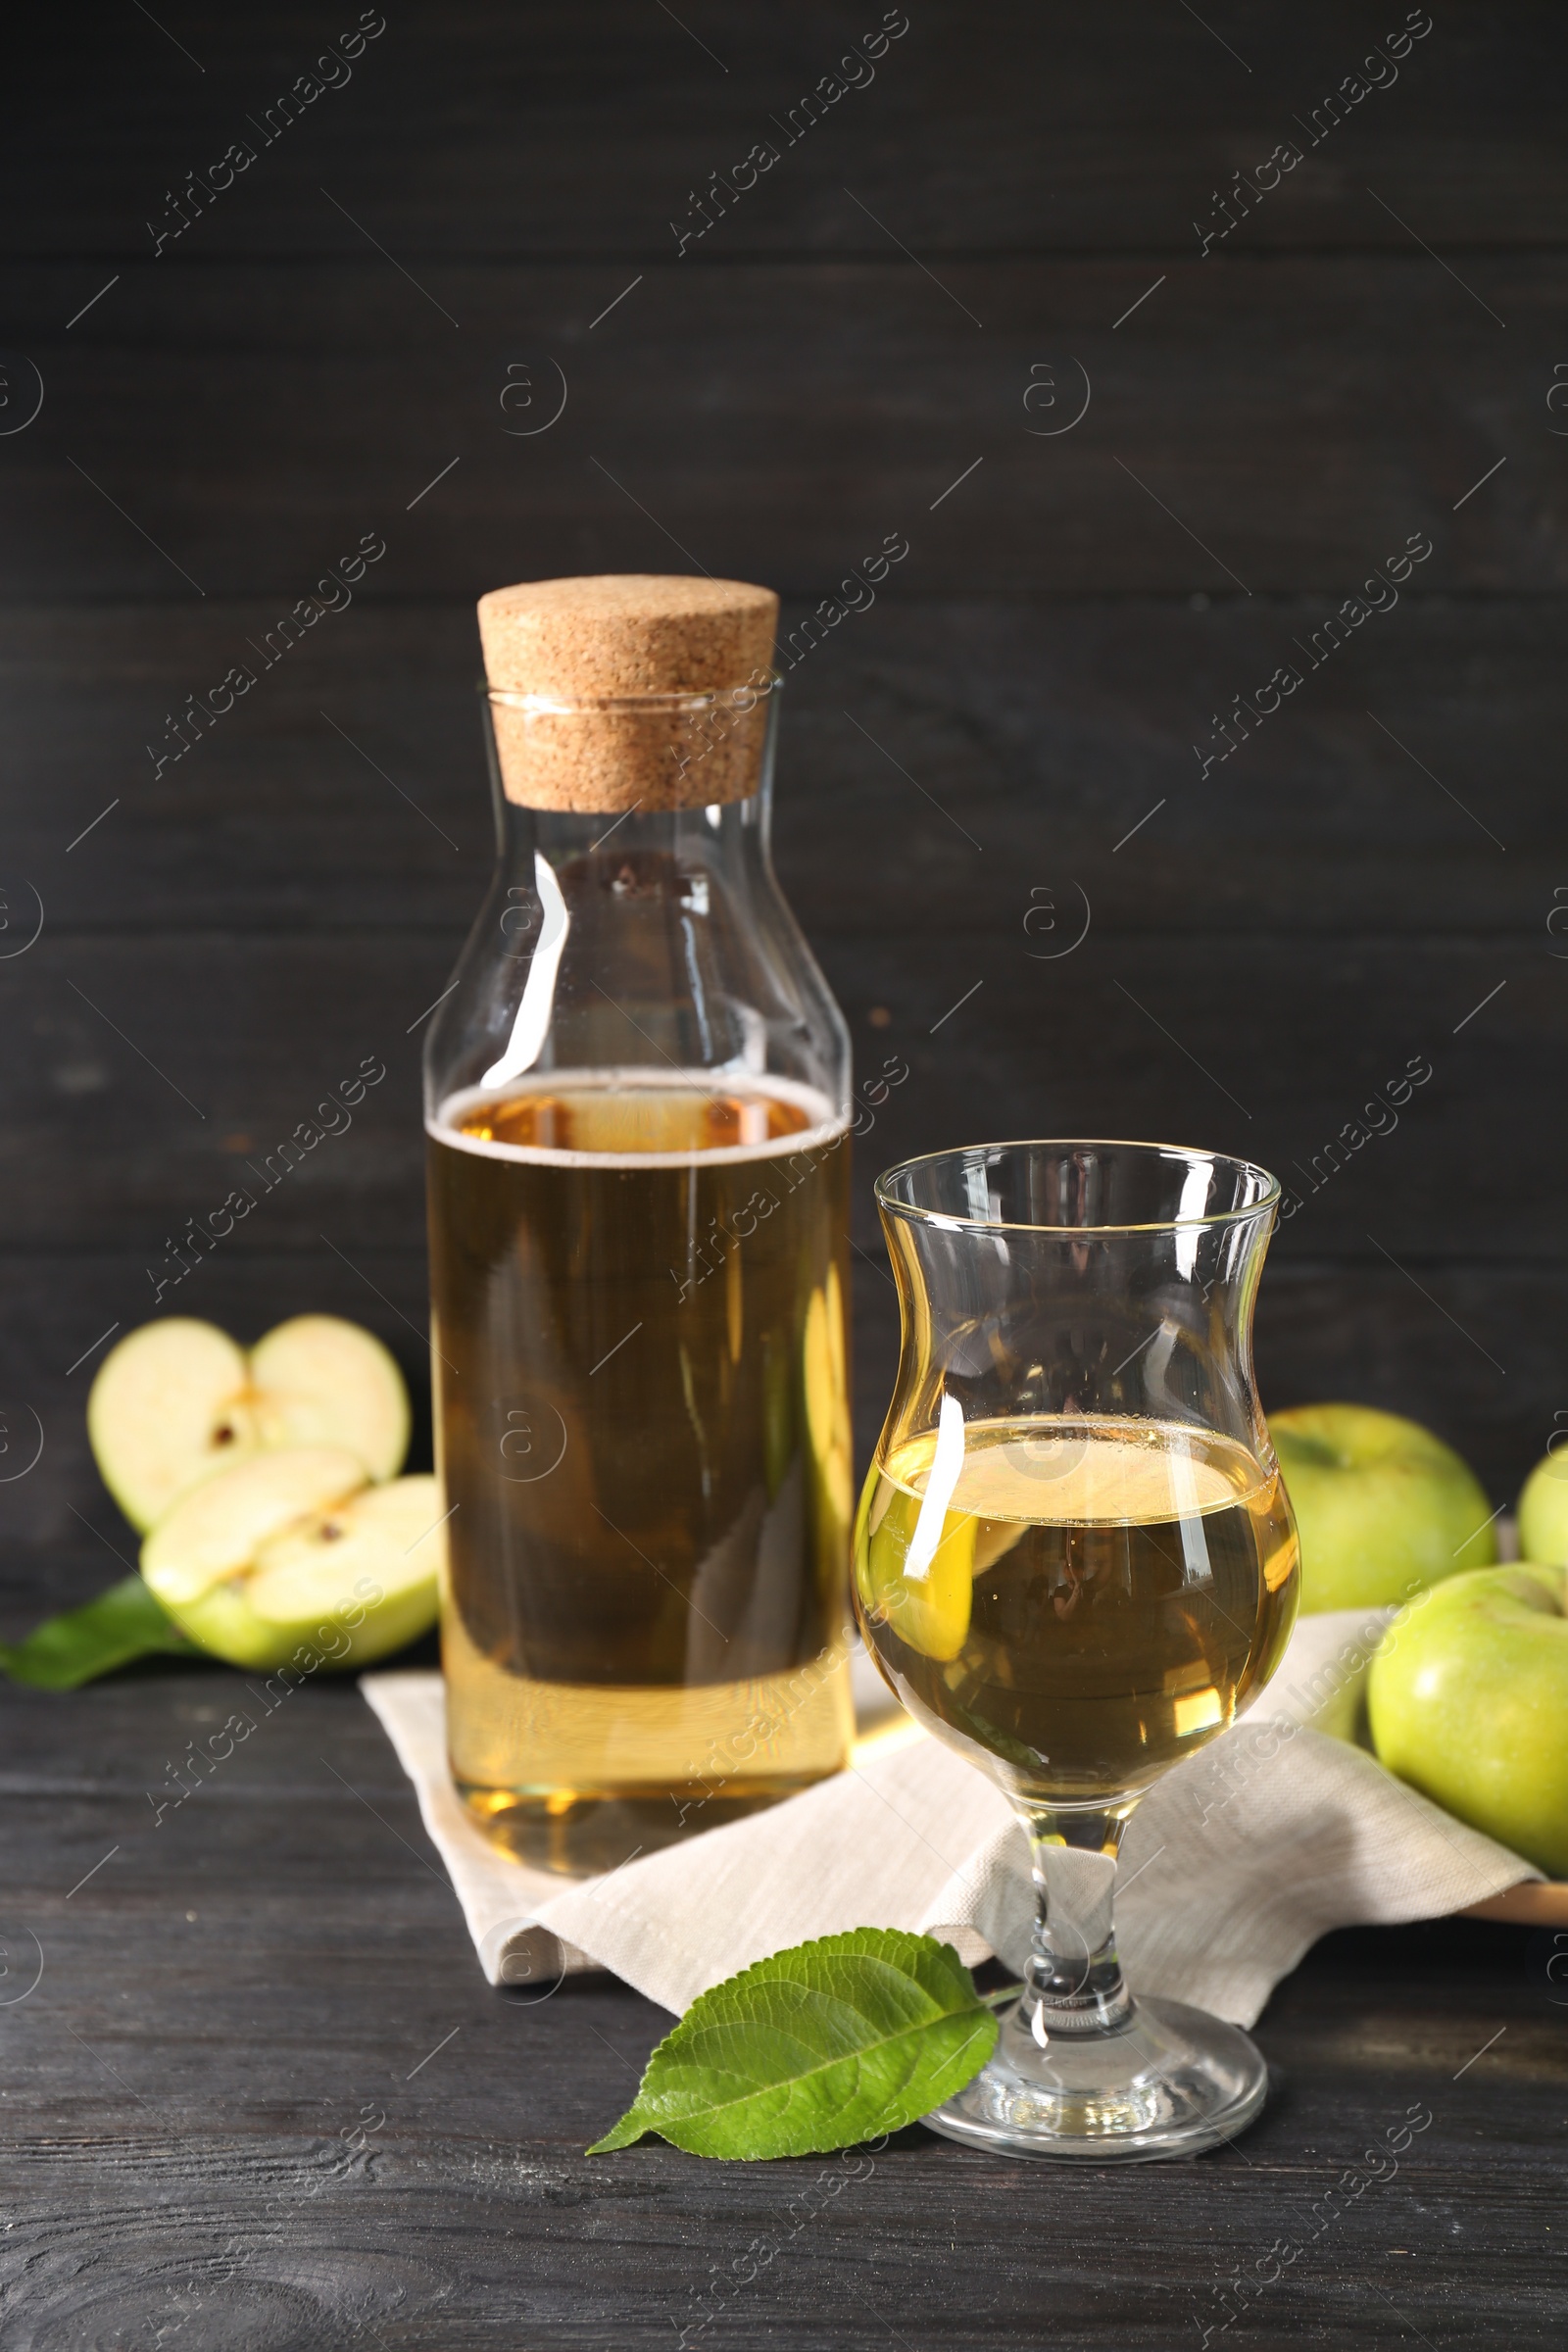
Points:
[(1074, 1562)]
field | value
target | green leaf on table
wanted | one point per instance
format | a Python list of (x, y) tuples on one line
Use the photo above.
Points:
[(122, 1624), (817, 2048)]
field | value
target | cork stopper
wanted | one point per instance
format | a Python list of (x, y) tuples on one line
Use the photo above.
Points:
[(628, 689)]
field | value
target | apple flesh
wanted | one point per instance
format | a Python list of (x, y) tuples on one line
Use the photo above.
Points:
[(215, 1532), (319, 1381), (177, 1400), (1383, 1507), (1467, 1700), (390, 1535), (167, 1407), (296, 1550)]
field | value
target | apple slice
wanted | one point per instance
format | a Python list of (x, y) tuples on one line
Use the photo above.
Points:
[(177, 1400), (390, 1536), (214, 1531), (321, 1381), (292, 1559), (168, 1406)]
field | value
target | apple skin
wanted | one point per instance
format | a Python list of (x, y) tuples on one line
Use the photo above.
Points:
[(1381, 1507), (1544, 1511), (223, 1624), (1467, 1700)]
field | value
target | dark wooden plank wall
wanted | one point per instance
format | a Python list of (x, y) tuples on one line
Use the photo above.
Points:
[(1298, 921), (1281, 414)]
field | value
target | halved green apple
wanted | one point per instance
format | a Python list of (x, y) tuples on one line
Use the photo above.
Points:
[(294, 1556), (177, 1400)]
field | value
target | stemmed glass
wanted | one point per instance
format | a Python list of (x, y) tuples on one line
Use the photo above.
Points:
[(1074, 1562)]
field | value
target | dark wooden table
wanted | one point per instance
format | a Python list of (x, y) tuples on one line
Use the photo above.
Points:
[(260, 2095)]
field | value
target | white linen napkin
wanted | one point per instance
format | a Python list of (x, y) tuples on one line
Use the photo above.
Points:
[(1232, 1865)]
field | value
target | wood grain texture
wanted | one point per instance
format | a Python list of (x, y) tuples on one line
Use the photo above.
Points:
[(265, 419), (1045, 731), (1425, 1337), (162, 1114), (481, 129)]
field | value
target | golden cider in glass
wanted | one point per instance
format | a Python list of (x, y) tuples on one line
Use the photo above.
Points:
[(1083, 1600)]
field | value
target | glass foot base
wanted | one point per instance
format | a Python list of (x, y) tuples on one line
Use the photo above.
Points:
[(1168, 2080)]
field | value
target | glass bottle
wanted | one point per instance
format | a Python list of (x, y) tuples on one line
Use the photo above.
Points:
[(637, 1102)]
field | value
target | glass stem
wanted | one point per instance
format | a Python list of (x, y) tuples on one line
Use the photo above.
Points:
[(1072, 1984)]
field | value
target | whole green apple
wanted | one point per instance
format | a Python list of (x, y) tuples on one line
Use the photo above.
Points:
[(1383, 1507), (1467, 1699), (1544, 1511)]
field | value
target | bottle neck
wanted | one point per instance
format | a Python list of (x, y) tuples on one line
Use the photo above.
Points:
[(619, 939), (665, 779), (731, 839)]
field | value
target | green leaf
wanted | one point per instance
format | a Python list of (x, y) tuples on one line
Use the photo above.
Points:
[(122, 1624), (815, 2048)]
